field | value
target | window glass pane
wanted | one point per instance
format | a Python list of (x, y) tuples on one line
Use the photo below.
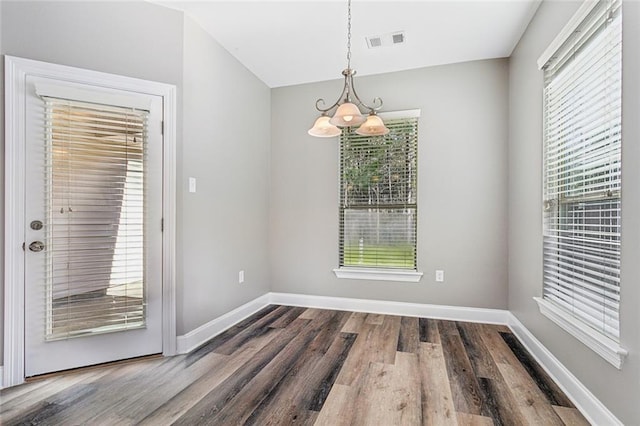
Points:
[(378, 206), (380, 237), (95, 184)]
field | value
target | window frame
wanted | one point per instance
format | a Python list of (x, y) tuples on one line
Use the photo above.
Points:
[(602, 344), (380, 273)]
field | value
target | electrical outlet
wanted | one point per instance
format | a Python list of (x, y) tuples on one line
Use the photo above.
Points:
[(439, 276), (240, 277)]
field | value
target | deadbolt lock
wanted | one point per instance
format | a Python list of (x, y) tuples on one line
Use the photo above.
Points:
[(36, 225)]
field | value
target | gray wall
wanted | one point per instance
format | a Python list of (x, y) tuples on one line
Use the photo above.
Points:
[(223, 226), (135, 39), (462, 190), (618, 390)]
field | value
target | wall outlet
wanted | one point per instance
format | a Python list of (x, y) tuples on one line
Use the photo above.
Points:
[(240, 277), (439, 276)]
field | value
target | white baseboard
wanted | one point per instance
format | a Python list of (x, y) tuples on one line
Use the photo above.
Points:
[(454, 313), (190, 341), (590, 406), (593, 410)]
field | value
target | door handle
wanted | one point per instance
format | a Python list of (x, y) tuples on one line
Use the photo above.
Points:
[(36, 246)]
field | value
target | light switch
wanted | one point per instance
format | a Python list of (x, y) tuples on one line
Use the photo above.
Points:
[(192, 184)]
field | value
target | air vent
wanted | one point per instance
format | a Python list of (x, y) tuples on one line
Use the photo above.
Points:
[(397, 38), (374, 42), (386, 40)]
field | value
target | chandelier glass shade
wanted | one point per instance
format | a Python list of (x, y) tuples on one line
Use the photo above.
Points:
[(373, 126), (323, 129), (346, 115), (346, 111)]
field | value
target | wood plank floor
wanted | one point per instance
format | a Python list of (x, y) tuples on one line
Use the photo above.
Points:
[(290, 366)]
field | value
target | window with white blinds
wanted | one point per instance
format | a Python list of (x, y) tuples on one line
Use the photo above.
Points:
[(95, 209), (582, 164), (378, 208)]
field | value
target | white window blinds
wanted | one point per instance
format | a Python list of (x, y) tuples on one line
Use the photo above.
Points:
[(378, 208), (582, 180), (94, 245)]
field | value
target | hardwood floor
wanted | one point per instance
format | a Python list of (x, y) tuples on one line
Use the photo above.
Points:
[(288, 365)]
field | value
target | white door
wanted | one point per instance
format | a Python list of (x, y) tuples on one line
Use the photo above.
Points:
[(93, 237)]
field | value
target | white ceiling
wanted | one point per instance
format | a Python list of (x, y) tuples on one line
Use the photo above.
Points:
[(293, 42)]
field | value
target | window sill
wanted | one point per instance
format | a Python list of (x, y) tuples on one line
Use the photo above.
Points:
[(607, 348), (378, 274)]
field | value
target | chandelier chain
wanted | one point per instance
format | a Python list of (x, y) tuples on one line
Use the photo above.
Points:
[(348, 106), (349, 34)]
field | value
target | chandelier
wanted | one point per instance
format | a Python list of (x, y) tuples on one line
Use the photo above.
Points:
[(347, 107)]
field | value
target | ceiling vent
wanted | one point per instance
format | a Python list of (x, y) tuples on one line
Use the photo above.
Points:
[(374, 42), (386, 40), (397, 38)]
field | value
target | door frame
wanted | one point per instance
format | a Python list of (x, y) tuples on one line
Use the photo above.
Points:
[(16, 72)]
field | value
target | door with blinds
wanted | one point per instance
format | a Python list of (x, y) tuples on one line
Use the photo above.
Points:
[(93, 242)]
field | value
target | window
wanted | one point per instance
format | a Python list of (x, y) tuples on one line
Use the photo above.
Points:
[(582, 179), (378, 207), (95, 217)]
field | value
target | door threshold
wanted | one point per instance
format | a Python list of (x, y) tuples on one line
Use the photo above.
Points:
[(92, 367)]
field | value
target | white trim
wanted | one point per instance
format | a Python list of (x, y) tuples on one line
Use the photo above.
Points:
[(378, 274), (453, 313), (397, 115), (582, 12), (14, 170), (607, 348), (1, 377), (72, 92), (590, 406), (16, 70), (204, 333), (169, 217)]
